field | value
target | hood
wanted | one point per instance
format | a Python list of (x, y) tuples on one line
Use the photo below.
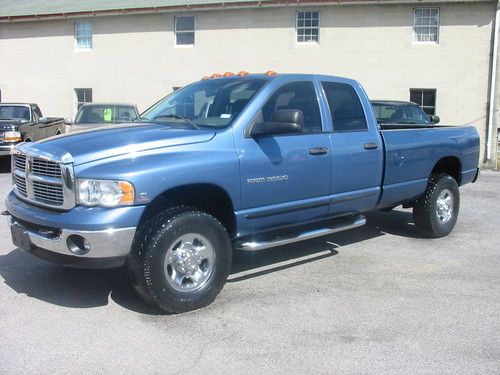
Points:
[(6, 125), (79, 127), (85, 146)]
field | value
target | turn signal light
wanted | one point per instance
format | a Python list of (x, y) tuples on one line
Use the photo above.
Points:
[(127, 191)]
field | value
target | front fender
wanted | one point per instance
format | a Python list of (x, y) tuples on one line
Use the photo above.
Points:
[(156, 171)]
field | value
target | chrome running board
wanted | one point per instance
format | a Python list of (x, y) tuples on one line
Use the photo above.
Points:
[(342, 225)]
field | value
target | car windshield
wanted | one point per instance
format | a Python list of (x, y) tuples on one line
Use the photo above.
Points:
[(14, 112), (400, 113), (105, 114), (213, 103)]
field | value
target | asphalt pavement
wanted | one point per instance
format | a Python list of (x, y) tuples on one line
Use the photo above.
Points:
[(377, 299)]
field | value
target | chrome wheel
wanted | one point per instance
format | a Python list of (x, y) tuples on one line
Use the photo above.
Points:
[(444, 206), (189, 262)]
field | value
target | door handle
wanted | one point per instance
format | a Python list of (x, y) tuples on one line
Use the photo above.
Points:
[(318, 150), (370, 146)]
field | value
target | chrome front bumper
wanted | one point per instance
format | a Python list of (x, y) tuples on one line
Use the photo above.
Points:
[(110, 244), (6, 149)]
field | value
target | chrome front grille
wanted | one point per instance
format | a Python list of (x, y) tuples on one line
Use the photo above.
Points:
[(48, 193), (20, 161), (20, 185), (42, 181), (46, 168)]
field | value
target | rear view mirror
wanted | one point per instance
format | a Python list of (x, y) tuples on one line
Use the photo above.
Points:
[(284, 121), (435, 119)]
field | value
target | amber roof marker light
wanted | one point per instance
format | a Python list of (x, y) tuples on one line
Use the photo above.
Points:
[(271, 73), (243, 73)]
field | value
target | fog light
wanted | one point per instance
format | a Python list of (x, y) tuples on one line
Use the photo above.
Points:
[(77, 244)]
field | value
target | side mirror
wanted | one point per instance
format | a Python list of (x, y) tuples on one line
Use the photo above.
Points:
[(67, 121), (284, 121), (435, 119), (43, 120)]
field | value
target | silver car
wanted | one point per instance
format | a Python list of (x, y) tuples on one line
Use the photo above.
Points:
[(94, 115)]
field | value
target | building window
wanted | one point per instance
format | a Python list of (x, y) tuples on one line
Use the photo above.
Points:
[(83, 96), (425, 98), (426, 25), (83, 34), (307, 27), (184, 31)]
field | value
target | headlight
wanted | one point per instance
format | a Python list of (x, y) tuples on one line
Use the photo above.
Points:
[(12, 136), (107, 193)]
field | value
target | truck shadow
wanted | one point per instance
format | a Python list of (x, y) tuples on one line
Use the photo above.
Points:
[(76, 288)]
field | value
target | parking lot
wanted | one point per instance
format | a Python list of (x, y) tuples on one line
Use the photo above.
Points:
[(377, 299)]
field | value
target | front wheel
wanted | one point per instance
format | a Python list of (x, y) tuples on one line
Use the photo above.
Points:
[(436, 212), (180, 259)]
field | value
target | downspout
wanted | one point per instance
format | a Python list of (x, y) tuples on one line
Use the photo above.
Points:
[(491, 110)]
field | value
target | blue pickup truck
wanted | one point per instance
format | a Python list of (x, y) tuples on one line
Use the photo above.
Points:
[(242, 162)]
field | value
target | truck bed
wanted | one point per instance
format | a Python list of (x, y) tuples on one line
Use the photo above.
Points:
[(411, 152)]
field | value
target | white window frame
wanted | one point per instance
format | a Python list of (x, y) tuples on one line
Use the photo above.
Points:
[(421, 93), (309, 42), (88, 27), (184, 31), (76, 96), (414, 34)]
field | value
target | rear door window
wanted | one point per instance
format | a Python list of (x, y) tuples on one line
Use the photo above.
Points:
[(345, 107)]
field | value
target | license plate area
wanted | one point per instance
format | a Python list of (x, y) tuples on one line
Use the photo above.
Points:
[(20, 237)]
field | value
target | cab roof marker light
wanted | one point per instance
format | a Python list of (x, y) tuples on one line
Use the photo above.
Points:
[(242, 73), (270, 73), (216, 75), (228, 74)]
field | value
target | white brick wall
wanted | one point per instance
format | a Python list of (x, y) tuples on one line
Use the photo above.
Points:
[(134, 58)]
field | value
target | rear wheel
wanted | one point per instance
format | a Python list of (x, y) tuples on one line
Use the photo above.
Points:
[(436, 212), (180, 259)]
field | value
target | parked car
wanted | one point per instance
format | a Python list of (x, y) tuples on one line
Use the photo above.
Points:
[(94, 115), (244, 162), (23, 122), (399, 112)]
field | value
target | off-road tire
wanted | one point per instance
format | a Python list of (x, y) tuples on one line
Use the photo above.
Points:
[(424, 211), (146, 260)]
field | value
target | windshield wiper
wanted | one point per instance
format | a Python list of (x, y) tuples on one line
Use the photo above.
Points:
[(178, 117)]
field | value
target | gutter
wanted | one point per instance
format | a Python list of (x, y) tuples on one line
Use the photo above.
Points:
[(215, 6), (493, 78)]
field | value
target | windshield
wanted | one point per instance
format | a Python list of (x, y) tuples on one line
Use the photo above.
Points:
[(105, 114), (212, 103), (400, 113), (14, 112)]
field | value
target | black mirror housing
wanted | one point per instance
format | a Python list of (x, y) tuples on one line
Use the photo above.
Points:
[(435, 119), (284, 121)]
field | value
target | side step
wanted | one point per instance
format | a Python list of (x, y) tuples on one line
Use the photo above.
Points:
[(340, 225)]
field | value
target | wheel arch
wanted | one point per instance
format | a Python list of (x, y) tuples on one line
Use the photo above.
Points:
[(450, 165), (207, 197)]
